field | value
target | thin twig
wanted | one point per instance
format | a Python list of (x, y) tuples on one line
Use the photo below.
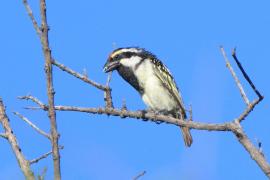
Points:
[(30, 14), (109, 78), (34, 99), (24, 164), (84, 78), (108, 92), (40, 158), (50, 89), (33, 125), (239, 85), (249, 108), (3, 135), (245, 74), (43, 156), (190, 113), (139, 175), (32, 108), (78, 75)]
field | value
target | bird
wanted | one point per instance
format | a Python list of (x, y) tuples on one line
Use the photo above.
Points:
[(152, 80)]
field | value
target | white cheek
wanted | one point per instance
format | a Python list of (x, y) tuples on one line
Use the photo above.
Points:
[(131, 62), (144, 72)]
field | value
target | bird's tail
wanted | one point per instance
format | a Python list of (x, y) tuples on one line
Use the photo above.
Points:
[(187, 136), (186, 132)]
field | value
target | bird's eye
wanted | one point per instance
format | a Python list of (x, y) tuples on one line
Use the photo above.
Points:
[(128, 54), (117, 56)]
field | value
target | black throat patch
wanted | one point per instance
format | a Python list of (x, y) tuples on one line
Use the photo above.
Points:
[(127, 74)]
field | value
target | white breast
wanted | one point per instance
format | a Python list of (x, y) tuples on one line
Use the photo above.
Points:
[(155, 95)]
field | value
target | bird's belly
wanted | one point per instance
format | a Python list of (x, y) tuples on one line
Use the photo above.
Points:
[(157, 97)]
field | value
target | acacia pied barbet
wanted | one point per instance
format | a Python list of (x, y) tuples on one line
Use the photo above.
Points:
[(152, 79)]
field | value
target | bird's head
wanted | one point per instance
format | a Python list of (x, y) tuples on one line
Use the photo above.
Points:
[(128, 57)]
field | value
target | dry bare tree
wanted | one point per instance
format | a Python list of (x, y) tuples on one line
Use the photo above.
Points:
[(233, 126)]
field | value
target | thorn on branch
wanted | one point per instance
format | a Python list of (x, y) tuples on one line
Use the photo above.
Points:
[(85, 72), (124, 105), (190, 112)]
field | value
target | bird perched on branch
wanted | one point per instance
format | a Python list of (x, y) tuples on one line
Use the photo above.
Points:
[(152, 79)]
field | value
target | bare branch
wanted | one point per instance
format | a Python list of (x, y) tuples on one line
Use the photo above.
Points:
[(24, 164), (43, 156), (139, 175), (84, 78), (78, 75), (33, 125), (255, 153), (50, 90), (32, 108), (249, 108), (30, 13), (35, 100), (245, 74), (239, 85), (40, 158), (145, 116), (107, 92)]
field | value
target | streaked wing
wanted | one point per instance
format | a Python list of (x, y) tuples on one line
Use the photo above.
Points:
[(168, 81)]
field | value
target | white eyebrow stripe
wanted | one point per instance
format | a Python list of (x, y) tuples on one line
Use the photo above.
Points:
[(134, 50)]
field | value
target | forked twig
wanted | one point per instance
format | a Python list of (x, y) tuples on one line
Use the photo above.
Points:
[(237, 81), (35, 100)]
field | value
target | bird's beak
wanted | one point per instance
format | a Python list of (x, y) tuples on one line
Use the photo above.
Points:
[(110, 66)]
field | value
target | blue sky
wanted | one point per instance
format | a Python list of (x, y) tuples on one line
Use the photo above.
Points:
[(186, 36)]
